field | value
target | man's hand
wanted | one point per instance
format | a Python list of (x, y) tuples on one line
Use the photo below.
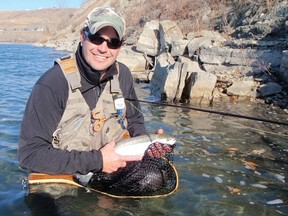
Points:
[(113, 161), (157, 150), (160, 131)]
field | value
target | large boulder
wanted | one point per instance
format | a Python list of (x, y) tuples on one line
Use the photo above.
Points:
[(161, 71), (169, 32), (148, 41), (245, 57), (200, 85), (135, 61), (181, 80), (283, 73), (172, 86), (242, 88), (204, 39), (179, 47), (157, 37), (270, 88)]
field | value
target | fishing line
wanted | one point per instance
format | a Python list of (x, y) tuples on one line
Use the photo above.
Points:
[(257, 130), (210, 111)]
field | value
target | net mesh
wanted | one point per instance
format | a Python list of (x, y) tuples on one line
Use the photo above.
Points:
[(152, 176)]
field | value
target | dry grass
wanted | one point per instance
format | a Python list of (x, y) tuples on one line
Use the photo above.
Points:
[(191, 16), (32, 26)]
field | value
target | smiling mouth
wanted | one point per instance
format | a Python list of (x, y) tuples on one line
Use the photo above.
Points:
[(99, 57)]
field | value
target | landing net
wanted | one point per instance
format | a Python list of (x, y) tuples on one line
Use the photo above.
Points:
[(150, 177)]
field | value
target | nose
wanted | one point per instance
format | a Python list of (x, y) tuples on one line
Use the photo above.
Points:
[(103, 47)]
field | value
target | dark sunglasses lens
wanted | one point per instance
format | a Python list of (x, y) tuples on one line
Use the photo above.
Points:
[(114, 43), (98, 40)]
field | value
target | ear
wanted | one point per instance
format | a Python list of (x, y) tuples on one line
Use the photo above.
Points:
[(82, 37)]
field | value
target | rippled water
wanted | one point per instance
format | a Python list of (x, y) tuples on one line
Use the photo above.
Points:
[(226, 165)]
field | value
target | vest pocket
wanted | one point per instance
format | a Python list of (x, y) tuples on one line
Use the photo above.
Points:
[(71, 134)]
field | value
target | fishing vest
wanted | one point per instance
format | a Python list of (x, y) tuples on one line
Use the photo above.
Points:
[(82, 129)]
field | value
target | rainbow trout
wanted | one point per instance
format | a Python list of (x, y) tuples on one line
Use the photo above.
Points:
[(131, 146), (138, 145)]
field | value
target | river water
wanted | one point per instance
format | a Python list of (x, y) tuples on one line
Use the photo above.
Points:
[(226, 165)]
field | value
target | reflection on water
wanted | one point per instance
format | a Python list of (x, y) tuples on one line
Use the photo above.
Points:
[(226, 165)]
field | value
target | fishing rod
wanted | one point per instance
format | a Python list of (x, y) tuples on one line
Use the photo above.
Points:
[(211, 111)]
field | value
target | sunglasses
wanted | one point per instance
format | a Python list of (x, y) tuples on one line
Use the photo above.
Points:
[(113, 43)]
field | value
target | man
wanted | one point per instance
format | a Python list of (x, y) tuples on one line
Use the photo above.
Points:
[(76, 112), (95, 58)]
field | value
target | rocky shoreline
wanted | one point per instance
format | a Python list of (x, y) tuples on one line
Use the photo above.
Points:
[(244, 57), (204, 69), (248, 62)]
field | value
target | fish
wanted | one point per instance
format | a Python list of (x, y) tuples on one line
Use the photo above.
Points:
[(138, 145)]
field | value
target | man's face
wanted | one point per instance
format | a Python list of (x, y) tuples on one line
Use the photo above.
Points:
[(100, 57)]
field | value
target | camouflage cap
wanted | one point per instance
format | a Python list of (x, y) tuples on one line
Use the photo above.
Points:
[(105, 16)]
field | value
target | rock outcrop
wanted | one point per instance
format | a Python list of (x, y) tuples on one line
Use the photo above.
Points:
[(217, 67), (200, 52)]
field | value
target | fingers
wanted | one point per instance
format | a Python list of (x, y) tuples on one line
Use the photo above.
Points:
[(123, 164), (157, 150), (114, 167), (113, 161), (131, 158), (160, 131), (109, 145), (168, 148)]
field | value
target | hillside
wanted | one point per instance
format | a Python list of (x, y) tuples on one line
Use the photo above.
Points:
[(31, 26), (61, 27), (253, 26)]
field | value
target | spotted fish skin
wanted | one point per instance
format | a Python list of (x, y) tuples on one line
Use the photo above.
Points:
[(138, 145)]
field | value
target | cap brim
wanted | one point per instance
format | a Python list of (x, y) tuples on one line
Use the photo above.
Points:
[(99, 25)]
